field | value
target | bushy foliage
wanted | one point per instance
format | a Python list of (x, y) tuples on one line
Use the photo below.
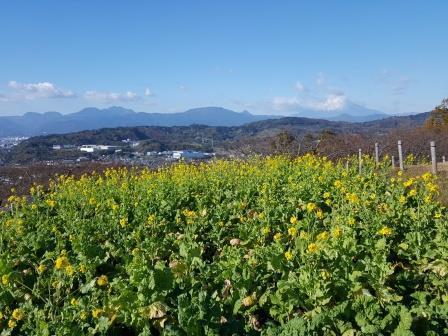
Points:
[(438, 118)]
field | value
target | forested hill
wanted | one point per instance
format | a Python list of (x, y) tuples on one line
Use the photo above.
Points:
[(257, 135)]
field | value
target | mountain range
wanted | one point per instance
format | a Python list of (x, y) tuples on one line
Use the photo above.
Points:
[(33, 124)]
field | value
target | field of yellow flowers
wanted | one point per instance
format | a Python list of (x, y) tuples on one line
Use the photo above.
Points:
[(271, 246)]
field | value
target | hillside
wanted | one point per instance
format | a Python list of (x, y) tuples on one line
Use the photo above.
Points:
[(257, 136)]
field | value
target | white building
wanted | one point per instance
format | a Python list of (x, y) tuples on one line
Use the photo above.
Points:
[(93, 148), (87, 148), (189, 155)]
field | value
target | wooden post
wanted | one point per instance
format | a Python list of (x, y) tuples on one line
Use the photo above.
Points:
[(400, 155), (443, 159), (433, 157), (346, 165), (377, 154), (393, 162), (360, 160)]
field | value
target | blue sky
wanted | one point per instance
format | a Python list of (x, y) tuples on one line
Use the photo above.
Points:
[(263, 56)]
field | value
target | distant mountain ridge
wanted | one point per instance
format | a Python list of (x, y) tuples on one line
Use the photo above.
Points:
[(33, 124), (91, 118)]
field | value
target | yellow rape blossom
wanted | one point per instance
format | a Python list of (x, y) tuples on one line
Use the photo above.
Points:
[(123, 222), (17, 314), (102, 280), (292, 231), (41, 268), (337, 232), (412, 192), (312, 248), (322, 236), (319, 214), (97, 312), (69, 270), (408, 182), (352, 198), (426, 177), (288, 255), (303, 235), (310, 207), (385, 231), (61, 262), (432, 187), (325, 274), (5, 279)]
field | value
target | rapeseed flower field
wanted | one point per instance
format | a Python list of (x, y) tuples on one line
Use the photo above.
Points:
[(271, 246)]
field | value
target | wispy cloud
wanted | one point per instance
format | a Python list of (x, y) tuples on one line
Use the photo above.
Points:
[(111, 97), (320, 79), (31, 91), (397, 84), (183, 88), (149, 93), (300, 87)]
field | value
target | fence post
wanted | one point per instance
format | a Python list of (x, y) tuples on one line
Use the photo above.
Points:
[(393, 162), (346, 165), (400, 155), (443, 159), (377, 154), (433, 157), (360, 160)]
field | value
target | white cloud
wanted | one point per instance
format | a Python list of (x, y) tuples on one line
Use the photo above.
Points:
[(148, 92), (31, 91), (111, 97), (331, 102), (300, 87)]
